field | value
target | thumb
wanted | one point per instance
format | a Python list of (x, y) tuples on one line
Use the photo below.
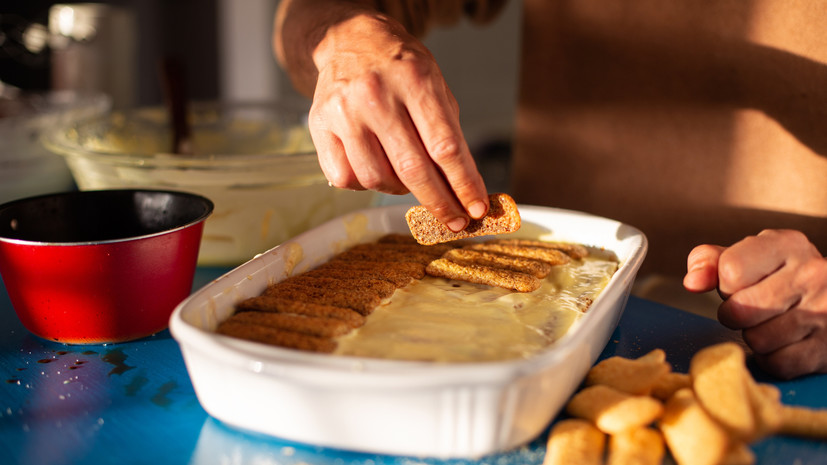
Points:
[(702, 268)]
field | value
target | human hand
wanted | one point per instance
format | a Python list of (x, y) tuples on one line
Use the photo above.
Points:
[(774, 287), (384, 119)]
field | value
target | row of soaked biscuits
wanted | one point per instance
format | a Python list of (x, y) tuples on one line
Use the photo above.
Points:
[(309, 311)]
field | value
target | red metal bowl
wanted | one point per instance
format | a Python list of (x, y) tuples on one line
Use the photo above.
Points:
[(103, 266)]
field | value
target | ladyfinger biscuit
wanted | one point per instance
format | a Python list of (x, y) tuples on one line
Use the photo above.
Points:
[(365, 252), (396, 279), (636, 376), (487, 275), (636, 446), (767, 408), (502, 217), (720, 380), (380, 287), (574, 441), (411, 269), (738, 453), (691, 435), (312, 325), (614, 411), (669, 384), (434, 250), (804, 422), (276, 337), (535, 268), (362, 301), (265, 303), (553, 257), (575, 251)]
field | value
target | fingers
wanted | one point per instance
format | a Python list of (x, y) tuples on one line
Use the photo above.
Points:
[(781, 331), (424, 144), (750, 260), (760, 302), (386, 153), (766, 275), (384, 119), (804, 357), (776, 289), (702, 268), (745, 263), (349, 154), (804, 319), (792, 344), (332, 159), (437, 122)]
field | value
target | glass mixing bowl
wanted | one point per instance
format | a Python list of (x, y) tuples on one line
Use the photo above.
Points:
[(26, 167), (254, 160)]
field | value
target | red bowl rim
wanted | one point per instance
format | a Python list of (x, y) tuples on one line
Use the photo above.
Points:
[(208, 204)]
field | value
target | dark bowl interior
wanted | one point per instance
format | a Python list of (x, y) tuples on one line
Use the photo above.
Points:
[(95, 216)]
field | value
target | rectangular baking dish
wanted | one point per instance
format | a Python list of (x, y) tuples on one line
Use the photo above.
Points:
[(464, 410)]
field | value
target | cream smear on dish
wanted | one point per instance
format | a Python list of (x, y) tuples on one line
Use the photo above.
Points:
[(436, 319)]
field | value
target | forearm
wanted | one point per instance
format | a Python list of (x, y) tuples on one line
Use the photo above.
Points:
[(300, 26)]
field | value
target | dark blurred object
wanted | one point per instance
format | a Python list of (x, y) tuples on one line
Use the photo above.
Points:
[(184, 28), (94, 48), (173, 81), (24, 51)]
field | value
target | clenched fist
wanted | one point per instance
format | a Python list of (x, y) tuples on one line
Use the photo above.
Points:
[(774, 287)]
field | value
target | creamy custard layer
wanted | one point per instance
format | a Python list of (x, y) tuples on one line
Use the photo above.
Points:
[(436, 319)]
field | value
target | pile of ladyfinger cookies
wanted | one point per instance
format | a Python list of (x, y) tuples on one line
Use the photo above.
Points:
[(308, 311), (638, 411)]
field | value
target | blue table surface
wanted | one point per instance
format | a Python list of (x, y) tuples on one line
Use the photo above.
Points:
[(133, 403)]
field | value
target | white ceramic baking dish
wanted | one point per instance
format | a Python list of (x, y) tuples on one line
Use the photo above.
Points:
[(462, 410)]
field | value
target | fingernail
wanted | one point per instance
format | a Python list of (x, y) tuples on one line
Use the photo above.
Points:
[(476, 209), (457, 224)]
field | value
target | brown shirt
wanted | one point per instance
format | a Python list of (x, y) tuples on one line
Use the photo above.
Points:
[(694, 121)]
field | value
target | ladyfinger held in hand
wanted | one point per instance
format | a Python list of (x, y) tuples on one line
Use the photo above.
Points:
[(502, 217)]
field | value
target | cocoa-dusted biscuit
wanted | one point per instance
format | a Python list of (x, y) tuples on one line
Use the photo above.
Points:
[(363, 302), (502, 217), (389, 253), (380, 287), (464, 256), (312, 325), (411, 269), (396, 278), (266, 303), (573, 250), (433, 250), (407, 239), (487, 275), (551, 256), (276, 337)]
